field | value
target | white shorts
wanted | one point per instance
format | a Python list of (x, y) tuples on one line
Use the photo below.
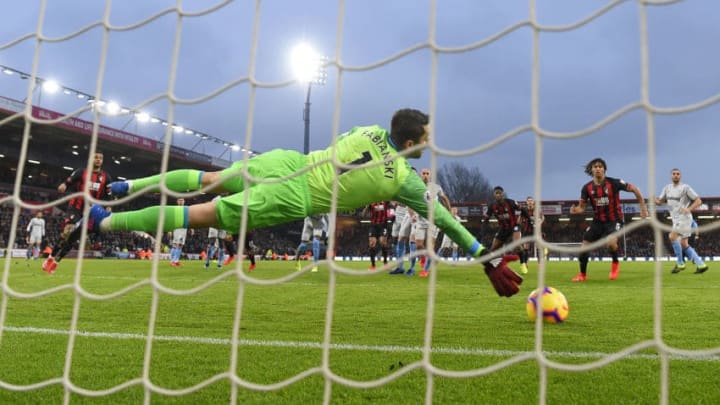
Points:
[(35, 239), (312, 227), (403, 228), (420, 229), (448, 243), (682, 225), (179, 236)]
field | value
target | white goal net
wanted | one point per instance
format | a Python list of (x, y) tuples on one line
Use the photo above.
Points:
[(203, 84)]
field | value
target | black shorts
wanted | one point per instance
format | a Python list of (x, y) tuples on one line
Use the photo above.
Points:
[(598, 230), (378, 230), (505, 235), (249, 240)]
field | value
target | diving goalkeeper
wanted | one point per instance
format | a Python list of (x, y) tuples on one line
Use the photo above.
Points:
[(373, 167)]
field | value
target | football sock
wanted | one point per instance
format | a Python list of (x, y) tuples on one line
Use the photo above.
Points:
[(413, 248), (177, 180), (300, 250), (455, 255), (231, 247), (524, 255), (583, 262), (692, 254), (678, 252), (384, 251), (316, 250), (400, 252), (146, 219), (373, 252), (614, 255)]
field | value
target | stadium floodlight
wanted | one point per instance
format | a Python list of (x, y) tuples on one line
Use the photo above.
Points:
[(178, 129), (68, 168), (304, 62), (309, 67), (235, 148), (35, 162), (112, 108), (50, 86)]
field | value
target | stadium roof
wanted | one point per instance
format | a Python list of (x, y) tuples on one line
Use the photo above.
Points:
[(64, 141)]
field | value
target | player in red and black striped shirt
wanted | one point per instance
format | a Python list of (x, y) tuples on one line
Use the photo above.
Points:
[(98, 183), (527, 215), (378, 230), (603, 194), (507, 212)]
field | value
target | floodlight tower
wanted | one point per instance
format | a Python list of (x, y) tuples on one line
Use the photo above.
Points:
[(309, 68)]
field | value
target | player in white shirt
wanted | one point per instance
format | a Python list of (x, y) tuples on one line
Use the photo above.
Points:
[(313, 227), (448, 243), (681, 199), (216, 241), (423, 229), (401, 231), (178, 241), (36, 233)]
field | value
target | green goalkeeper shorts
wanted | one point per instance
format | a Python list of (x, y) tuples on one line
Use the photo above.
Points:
[(269, 203)]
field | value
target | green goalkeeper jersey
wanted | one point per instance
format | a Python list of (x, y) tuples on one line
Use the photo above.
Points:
[(382, 175)]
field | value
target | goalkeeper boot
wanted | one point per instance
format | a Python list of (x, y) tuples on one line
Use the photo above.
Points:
[(523, 268), (579, 278), (614, 270), (97, 214), (678, 269), (119, 188)]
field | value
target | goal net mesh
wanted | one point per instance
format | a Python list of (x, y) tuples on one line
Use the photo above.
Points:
[(253, 24)]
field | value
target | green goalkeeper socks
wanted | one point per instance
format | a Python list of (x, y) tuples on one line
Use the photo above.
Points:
[(176, 216), (177, 180)]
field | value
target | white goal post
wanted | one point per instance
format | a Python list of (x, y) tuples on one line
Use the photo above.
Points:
[(248, 27)]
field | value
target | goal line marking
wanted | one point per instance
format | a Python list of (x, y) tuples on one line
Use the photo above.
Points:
[(355, 347)]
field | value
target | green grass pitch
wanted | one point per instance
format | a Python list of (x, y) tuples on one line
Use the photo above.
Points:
[(378, 332)]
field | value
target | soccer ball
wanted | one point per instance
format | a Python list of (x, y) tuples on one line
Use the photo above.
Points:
[(554, 305)]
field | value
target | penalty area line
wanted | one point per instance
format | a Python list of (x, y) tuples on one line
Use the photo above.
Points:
[(354, 347)]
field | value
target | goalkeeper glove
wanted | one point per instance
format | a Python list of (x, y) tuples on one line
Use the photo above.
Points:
[(505, 281)]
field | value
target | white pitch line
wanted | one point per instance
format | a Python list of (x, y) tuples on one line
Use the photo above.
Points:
[(336, 346)]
